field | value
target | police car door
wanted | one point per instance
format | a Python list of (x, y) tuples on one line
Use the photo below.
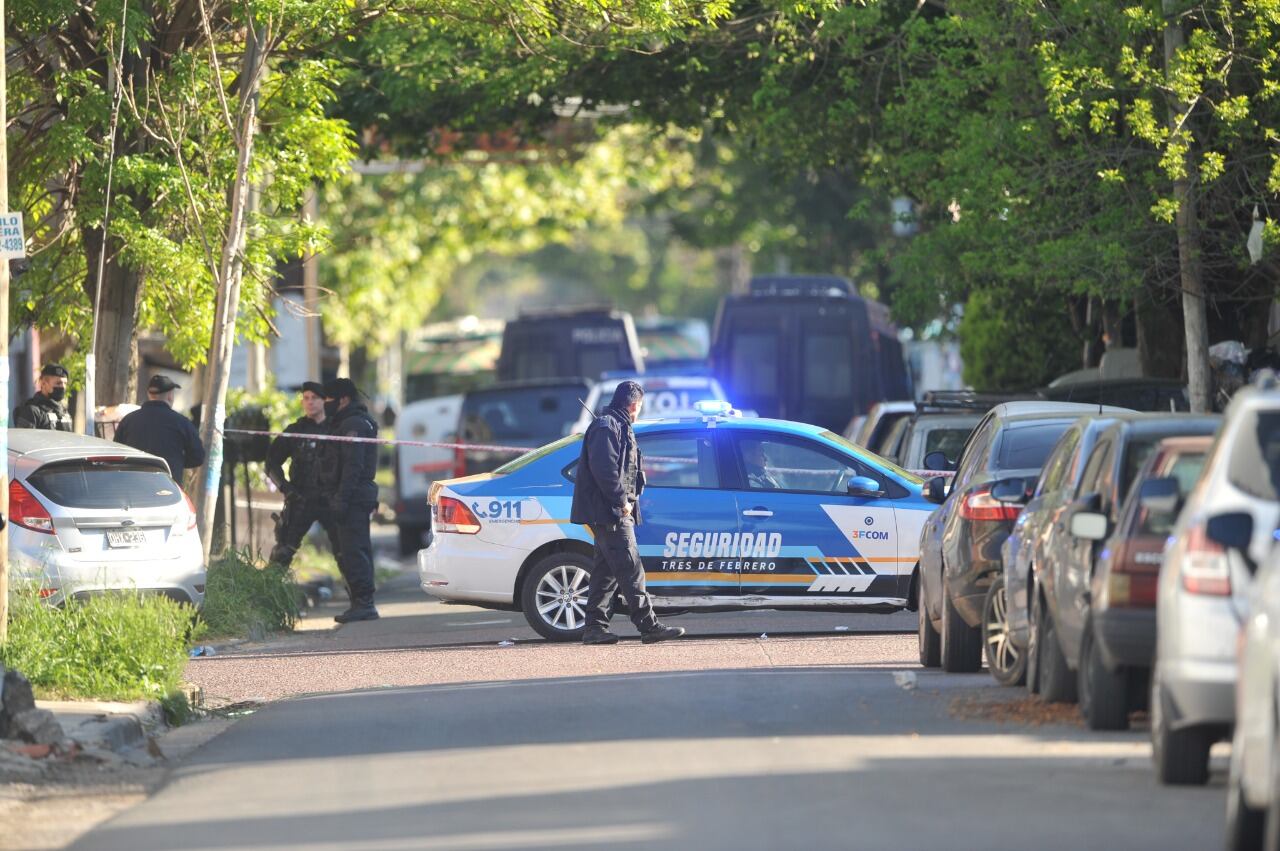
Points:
[(687, 520), (804, 535)]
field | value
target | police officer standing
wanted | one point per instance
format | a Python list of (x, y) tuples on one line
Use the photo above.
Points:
[(304, 503), (157, 428), (46, 409), (606, 497), (346, 476)]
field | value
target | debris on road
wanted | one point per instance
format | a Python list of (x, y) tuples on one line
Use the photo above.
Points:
[(905, 680), (507, 643)]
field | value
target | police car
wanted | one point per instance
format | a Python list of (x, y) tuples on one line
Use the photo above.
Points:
[(739, 513)]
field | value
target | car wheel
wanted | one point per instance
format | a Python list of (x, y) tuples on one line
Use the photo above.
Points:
[(1181, 756), (1245, 825), (1104, 694), (929, 640), (1056, 683), (1006, 662), (554, 596), (961, 643), (1033, 647)]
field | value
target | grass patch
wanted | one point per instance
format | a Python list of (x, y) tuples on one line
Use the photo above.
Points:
[(243, 598), (313, 562), (121, 646)]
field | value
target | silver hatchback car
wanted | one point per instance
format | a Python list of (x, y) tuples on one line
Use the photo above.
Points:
[(88, 515)]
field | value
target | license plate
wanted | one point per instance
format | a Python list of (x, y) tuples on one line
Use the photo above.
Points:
[(119, 538)]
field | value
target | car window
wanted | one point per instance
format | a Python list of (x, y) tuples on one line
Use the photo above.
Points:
[(974, 455), (793, 464), (1026, 446), (948, 441), (679, 460), (1099, 458), (892, 444), (533, 415), (536, 455), (1254, 466), (115, 484), (1136, 455), (751, 350), (1186, 469), (1055, 469), (828, 366)]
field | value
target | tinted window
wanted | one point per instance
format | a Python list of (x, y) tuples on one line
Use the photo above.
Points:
[(679, 461), (1138, 453), (1255, 458), (529, 457), (594, 361), (772, 463), (1024, 447), (106, 485), (531, 416), (948, 441), (754, 361), (1099, 460), (1186, 469), (828, 366), (1055, 468)]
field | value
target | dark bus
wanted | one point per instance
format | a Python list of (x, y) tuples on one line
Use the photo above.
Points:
[(569, 343), (807, 348)]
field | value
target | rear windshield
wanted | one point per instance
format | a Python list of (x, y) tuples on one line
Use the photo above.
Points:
[(828, 366), (948, 441), (530, 416), (1025, 447), (754, 363), (536, 455), (102, 484), (1255, 458)]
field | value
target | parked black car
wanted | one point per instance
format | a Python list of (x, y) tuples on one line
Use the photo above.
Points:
[(960, 543), (569, 343), (518, 414), (1061, 583)]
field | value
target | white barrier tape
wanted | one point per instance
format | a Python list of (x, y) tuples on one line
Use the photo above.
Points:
[(930, 474), (481, 447)]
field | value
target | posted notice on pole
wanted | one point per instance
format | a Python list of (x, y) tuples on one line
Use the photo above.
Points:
[(13, 245)]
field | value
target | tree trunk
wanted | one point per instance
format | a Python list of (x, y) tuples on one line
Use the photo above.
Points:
[(1190, 272), (117, 350)]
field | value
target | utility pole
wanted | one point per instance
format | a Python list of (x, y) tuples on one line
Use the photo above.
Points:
[(4, 346)]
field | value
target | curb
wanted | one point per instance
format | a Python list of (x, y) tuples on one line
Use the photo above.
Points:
[(107, 725)]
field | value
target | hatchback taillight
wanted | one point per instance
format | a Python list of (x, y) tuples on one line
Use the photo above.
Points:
[(452, 515), (191, 506), (980, 505), (1205, 566), (26, 510)]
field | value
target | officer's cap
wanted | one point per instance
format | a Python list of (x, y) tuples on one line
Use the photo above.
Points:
[(161, 383), (55, 370), (312, 387), (339, 388)]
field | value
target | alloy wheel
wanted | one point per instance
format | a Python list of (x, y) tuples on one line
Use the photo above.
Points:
[(562, 597)]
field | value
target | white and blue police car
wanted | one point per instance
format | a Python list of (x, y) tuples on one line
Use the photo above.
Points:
[(738, 513)]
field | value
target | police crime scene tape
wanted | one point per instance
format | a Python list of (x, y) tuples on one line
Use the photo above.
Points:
[(479, 447)]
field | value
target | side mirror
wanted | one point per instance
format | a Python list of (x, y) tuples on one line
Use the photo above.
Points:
[(865, 486), (1233, 530), (1013, 491), (938, 462), (935, 490), (1160, 495), (1089, 525)]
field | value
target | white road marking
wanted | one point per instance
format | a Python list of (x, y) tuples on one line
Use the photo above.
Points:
[(479, 623)]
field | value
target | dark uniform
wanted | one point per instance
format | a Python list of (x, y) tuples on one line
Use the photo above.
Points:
[(345, 476), (304, 503), (40, 411), (610, 477), (159, 429)]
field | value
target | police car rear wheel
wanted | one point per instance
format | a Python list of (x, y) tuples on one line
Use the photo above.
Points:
[(554, 596), (930, 641)]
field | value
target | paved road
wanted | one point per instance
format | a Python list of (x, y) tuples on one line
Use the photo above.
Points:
[(833, 757)]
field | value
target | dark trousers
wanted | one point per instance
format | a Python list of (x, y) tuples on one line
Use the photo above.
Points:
[(355, 552), (299, 514), (618, 566)]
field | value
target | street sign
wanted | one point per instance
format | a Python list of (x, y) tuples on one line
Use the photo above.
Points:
[(12, 244)]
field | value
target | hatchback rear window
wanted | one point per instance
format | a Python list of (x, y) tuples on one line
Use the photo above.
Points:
[(529, 416), (1026, 447), (115, 484), (1255, 458)]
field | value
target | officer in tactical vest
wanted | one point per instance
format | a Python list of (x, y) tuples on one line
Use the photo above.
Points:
[(46, 409), (304, 503)]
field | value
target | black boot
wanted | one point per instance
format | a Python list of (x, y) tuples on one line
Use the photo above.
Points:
[(362, 609), (661, 633), (598, 635)]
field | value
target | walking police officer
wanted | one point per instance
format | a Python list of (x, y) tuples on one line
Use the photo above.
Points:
[(304, 503), (157, 428), (345, 477), (46, 408), (606, 497)]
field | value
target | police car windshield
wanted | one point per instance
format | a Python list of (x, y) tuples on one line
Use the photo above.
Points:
[(871, 458), (536, 455)]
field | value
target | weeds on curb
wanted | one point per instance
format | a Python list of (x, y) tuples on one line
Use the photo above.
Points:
[(241, 598), (117, 646)]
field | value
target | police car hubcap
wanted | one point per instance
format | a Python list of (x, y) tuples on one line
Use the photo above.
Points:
[(562, 597)]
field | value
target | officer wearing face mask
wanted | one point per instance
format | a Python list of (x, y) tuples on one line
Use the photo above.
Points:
[(46, 408), (304, 502)]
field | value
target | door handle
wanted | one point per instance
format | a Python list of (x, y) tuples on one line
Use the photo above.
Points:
[(757, 512)]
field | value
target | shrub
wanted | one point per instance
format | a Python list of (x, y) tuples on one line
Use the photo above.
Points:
[(120, 646), (242, 598)]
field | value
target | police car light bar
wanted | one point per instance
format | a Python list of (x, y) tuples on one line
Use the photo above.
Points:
[(714, 408)]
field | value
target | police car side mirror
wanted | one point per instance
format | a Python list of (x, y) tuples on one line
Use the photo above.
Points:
[(865, 486), (935, 490)]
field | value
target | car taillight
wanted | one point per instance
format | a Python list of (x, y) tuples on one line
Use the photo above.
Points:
[(454, 516), (980, 505), (191, 506), (1205, 567), (26, 510)]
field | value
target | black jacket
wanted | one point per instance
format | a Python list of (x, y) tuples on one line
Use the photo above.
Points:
[(610, 472), (42, 412), (304, 456), (346, 470), (160, 430)]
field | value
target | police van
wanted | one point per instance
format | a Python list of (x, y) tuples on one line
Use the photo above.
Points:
[(809, 349), (569, 343)]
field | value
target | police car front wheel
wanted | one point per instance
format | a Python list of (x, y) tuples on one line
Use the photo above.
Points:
[(554, 596)]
